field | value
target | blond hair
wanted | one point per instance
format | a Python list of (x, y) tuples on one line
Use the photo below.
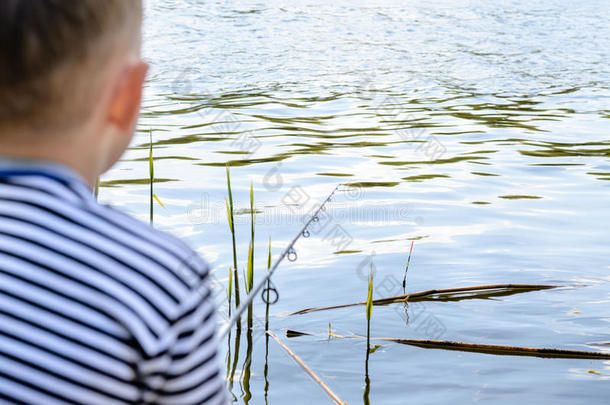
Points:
[(50, 51)]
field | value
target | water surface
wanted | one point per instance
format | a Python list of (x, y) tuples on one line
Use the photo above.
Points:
[(477, 129)]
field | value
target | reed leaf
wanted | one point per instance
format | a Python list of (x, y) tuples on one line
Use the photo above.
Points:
[(269, 255), (232, 227), (499, 350), (404, 280), (250, 275), (502, 350), (229, 216), (445, 294), (369, 299), (252, 211), (251, 250), (293, 333), (151, 174), (268, 285), (250, 268), (374, 348), (159, 201), (230, 291), (369, 313)]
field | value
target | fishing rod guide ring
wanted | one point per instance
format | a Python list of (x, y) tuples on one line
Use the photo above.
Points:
[(292, 255), (276, 297)]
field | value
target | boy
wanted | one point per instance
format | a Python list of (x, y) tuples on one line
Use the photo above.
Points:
[(95, 307)]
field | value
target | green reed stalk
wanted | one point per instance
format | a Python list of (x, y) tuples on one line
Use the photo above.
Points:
[(266, 369), (252, 215), (230, 290), (151, 172), (369, 315), (249, 285), (247, 369), (230, 216), (236, 357), (268, 285), (250, 275), (269, 255), (248, 281), (369, 308)]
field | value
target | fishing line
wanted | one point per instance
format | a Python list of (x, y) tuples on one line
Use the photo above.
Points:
[(288, 252)]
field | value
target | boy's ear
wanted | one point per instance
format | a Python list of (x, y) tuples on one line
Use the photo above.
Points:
[(127, 96)]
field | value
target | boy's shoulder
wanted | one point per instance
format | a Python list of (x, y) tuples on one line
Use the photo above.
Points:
[(165, 248)]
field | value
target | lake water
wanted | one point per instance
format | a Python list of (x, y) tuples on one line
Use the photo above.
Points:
[(477, 129)]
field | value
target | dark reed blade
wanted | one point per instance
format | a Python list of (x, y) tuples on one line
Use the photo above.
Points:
[(295, 333), (499, 350), (502, 350), (404, 280), (446, 294), (231, 219)]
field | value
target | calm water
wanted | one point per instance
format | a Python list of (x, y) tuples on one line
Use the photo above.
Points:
[(477, 129)]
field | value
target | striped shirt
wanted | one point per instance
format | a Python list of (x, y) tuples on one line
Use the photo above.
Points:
[(95, 306)]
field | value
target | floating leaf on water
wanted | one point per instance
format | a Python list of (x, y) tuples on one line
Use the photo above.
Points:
[(520, 197), (295, 333), (335, 174), (246, 211), (125, 182), (332, 334), (373, 184), (374, 348), (160, 158), (447, 294), (245, 162), (484, 174), (436, 162), (422, 177), (159, 201), (499, 350), (502, 350)]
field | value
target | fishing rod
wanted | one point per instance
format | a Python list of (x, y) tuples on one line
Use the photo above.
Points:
[(288, 252)]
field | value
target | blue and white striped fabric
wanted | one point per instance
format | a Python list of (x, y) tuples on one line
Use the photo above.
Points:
[(95, 306)]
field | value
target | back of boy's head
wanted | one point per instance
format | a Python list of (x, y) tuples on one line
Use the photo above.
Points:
[(51, 52)]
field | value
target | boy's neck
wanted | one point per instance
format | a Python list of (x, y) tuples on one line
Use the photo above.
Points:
[(65, 152)]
